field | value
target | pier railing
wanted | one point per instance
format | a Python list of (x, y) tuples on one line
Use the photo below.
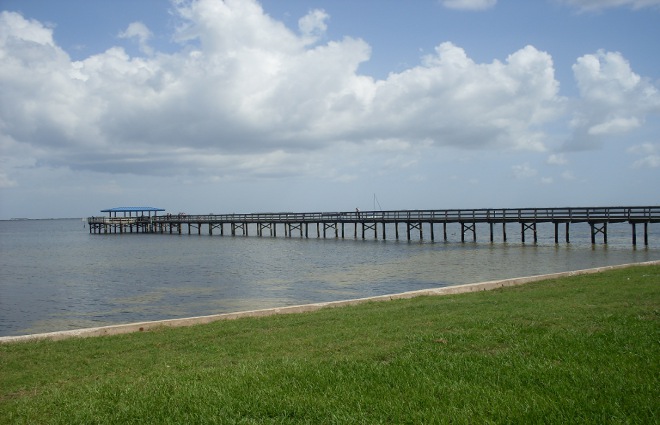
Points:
[(597, 217), (485, 215)]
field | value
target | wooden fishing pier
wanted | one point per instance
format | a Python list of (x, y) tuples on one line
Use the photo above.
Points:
[(363, 223)]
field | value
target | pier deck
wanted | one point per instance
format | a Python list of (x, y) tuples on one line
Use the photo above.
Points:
[(333, 224)]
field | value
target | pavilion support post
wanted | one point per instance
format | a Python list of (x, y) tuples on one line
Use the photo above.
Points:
[(432, 232), (408, 229), (396, 230), (490, 225), (444, 231), (384, 235), (504, 232), (634, 234), (568, 233), (556, 232), (646, 234)]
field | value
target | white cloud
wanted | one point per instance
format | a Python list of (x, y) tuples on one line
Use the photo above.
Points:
[(454, 101), (245, 96), (523, 171), (139, 31), (650, 153), (644, 149), (468, 4), (15, 26), (615, 125), (6, 182), (613, 98), (557, 159), (313, 24), (597, 5), (651, 161)]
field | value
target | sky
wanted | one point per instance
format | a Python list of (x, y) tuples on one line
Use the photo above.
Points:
[(239, 106)]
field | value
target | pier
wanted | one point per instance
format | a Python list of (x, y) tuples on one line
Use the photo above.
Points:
[(363, 224)]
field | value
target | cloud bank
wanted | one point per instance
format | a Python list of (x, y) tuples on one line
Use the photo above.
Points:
[(246, 97)]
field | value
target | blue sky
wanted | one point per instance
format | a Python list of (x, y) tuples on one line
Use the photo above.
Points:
[(307, 105)]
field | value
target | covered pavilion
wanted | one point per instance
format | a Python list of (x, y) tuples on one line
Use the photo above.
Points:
[(139, 211)]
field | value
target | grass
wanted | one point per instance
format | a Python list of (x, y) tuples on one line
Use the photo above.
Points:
[(583, 349)]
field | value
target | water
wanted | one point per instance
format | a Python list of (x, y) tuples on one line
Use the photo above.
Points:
[(54, 275)]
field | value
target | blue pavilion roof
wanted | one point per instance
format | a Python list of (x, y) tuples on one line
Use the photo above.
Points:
[(132, 209)]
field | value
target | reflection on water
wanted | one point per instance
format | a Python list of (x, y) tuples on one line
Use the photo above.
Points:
[(55, 276)]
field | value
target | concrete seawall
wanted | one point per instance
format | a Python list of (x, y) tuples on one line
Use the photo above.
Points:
[(449, 290)]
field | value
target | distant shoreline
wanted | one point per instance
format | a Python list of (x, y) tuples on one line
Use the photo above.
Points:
[(35, 219)]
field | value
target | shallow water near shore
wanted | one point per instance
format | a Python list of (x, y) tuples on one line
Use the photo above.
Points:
[(55, 276)]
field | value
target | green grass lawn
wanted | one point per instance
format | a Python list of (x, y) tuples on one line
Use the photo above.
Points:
[(583, 349)]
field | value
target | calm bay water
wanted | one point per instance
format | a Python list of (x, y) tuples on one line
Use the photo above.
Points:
[(54, 275)]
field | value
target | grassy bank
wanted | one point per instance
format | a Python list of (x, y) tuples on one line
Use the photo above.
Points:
[(581, 349)]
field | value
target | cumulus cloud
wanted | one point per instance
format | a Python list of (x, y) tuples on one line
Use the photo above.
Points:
[(597, 5), (468, 4), (313, 24), (613, 99), (139, 31), (243, 84)]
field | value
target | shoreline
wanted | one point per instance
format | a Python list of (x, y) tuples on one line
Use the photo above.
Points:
[(191, 321)]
